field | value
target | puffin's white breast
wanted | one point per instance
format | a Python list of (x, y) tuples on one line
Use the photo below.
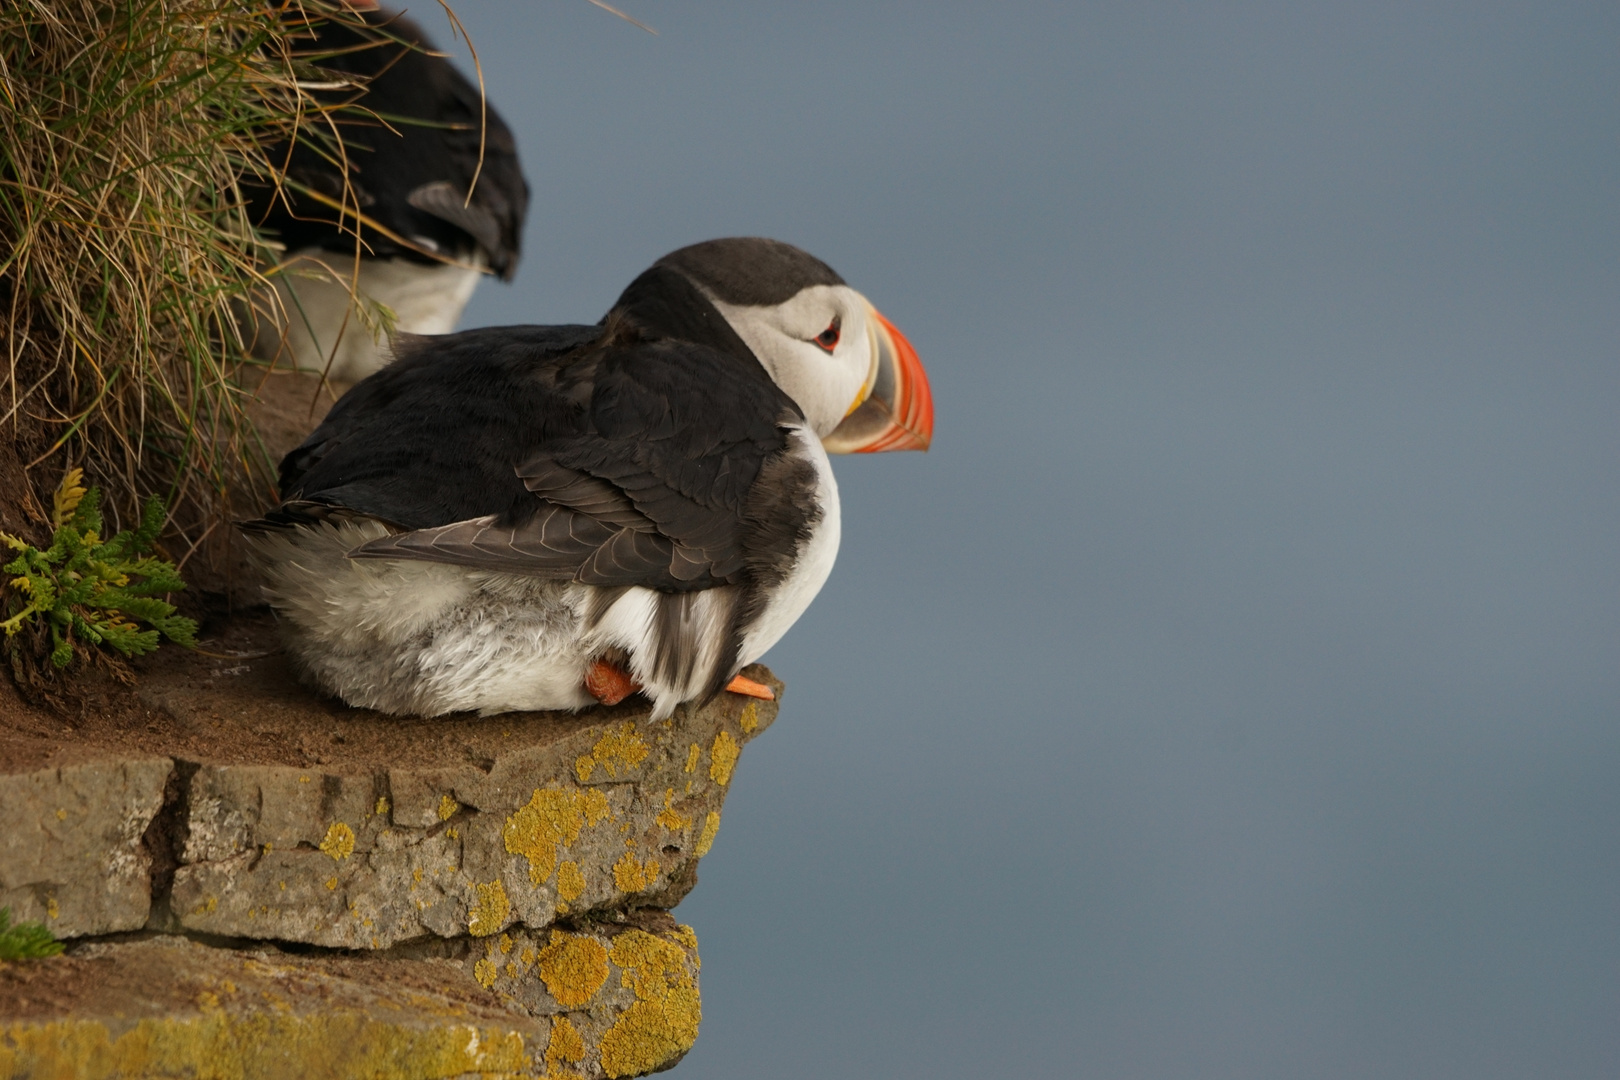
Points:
[(815, 562)]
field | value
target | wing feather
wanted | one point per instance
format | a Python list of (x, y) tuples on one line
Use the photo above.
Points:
[(610, 465), (441, 199)]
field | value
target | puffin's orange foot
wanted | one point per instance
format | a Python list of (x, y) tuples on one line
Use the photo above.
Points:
[(609, 683), (750, 688)]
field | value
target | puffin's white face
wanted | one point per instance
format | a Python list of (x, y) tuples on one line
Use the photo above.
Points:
[(820, 347)]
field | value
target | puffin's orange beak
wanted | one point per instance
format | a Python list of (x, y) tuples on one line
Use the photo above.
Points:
[(899, 412)]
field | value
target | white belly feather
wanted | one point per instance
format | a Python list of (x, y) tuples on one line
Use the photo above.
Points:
[(422, 637)]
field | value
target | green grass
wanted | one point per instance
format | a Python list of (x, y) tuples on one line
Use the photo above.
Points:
[(127, 258)]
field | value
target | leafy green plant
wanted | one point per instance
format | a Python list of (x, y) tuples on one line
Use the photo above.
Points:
[(96, 590), (26, 940)]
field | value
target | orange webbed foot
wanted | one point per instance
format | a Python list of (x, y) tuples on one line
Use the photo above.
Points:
[(609, 683), (750, 688)]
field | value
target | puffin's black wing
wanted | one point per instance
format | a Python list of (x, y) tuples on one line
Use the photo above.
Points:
[(544, 450), (412, 146), (418, 443)]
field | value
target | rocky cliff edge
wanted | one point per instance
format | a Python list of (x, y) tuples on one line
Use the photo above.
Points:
[(254, 881)]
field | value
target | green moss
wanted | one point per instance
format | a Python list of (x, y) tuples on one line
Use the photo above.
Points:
[(26, 940)]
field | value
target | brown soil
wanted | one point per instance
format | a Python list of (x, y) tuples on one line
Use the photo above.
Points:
[(236, 701)]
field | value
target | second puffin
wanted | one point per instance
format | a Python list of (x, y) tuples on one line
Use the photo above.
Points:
[(544, 517)]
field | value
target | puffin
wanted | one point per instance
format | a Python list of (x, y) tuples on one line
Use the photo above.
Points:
[(550, 517), (415, 141)]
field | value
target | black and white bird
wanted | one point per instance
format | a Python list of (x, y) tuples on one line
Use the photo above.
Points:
[(411, 145), (544, 517)]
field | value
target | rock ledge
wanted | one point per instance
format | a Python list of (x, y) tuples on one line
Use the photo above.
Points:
[(258, 882)]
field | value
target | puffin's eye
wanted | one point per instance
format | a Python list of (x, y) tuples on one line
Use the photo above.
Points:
[(828, 338)]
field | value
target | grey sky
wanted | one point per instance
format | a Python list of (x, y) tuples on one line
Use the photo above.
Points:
[(1233, 691)]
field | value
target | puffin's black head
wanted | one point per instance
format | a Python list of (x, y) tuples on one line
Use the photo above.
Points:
[(750, 271), (856, 378)]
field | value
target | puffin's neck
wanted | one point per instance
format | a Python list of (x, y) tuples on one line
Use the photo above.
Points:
[(663, 303)]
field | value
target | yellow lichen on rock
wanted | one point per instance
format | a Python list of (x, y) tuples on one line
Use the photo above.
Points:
[(447, 807), (570, 881), (489, 914), (662, 1023), (749, 720), (484, 972), (596, 807), (339, 842), (692, 756), (711, 826), (668, 817), (573, 967), (622, 749), (550, 817), (632, 875), (723, 758), (566, 1046)]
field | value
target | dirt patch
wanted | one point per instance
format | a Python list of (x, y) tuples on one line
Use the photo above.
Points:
[(237, 701)]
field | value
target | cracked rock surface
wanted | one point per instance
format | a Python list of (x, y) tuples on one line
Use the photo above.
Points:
[(525, 862)]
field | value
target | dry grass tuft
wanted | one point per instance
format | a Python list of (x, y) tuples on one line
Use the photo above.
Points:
[(127, 131)]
